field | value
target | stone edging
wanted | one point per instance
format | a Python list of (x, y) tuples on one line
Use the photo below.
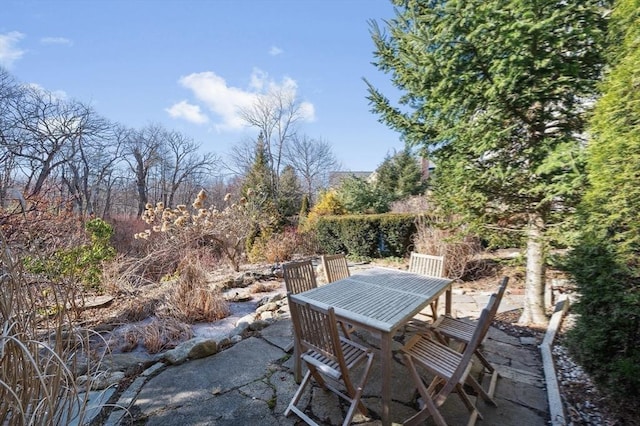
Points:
[(556, 407)]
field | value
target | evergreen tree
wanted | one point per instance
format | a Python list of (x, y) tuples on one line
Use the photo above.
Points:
[(400, 176), (606, 263), (257, 189), (495, 92), (258, 179), (290, 198), (359, 196)]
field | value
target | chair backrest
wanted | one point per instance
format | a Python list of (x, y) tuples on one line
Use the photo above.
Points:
[(502, 288), (299, 276), (426, 264), (482, 327), (335, 267), (317, 329)]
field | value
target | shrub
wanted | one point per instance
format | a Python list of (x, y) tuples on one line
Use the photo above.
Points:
[(224, 231), (605, 339), (365, 236), (328, 236), (78, 264), (441, 238), (328, 204), (359, 235), (397, 231)]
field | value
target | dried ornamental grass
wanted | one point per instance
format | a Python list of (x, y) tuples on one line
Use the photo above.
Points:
[(192, 300), (38, 354)]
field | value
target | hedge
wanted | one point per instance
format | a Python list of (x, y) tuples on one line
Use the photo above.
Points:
[(379, 235)]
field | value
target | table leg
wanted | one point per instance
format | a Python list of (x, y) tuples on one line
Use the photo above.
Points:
[(447, 303), (297, 362), (385, 353)]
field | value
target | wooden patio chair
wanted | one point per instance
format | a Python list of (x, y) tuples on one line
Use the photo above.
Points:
[(335, 267), (450, 370), (447, 327), (329, 357), (431, 266), (299, 276)]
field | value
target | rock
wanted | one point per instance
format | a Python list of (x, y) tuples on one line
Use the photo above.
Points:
[(191, 349), (245, 321), (271, 306), (258, 325), (102, 380), (94, 302), (236, 296), (128, 361), (270, 299)]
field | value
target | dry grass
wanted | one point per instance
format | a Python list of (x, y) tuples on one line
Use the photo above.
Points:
[(163, 334), (193, 299), (264, 287), (460, 250), (39, 347)]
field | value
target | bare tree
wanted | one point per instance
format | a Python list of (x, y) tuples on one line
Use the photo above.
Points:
[(185, 163), (242, 157), (48, 132), (91, 157), (275, 115), (9, 91), (143, 151), (312, 160)]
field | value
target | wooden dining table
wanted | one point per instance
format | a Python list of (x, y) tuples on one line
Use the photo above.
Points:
[(380, 300)]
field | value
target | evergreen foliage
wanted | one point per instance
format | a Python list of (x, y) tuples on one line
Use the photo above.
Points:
[(495, 92), (400, 176), (366, 236), (606, 263), (359, 196), (290, 198), (304, 206)]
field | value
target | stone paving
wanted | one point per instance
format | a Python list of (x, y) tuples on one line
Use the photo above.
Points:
[(251, 382)]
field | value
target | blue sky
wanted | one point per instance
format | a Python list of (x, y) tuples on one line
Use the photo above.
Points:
[(189, 64)]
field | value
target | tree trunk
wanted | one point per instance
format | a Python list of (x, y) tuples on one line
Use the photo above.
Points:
[(534, 308)]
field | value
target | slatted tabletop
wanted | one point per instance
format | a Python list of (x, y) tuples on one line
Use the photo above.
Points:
[(378, 298)]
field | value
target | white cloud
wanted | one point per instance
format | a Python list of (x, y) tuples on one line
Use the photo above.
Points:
[(55, 94), (275, 51), (56, 40), (9, 51), (258, 79), (187, 111), (308, 111), (227, 102)]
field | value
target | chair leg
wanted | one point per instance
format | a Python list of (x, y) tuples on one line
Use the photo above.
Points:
[(471, 407), (492, 383), (296, 397), (355, 404), (429, 408), (484, 361), (484, 394), (354, 393)]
